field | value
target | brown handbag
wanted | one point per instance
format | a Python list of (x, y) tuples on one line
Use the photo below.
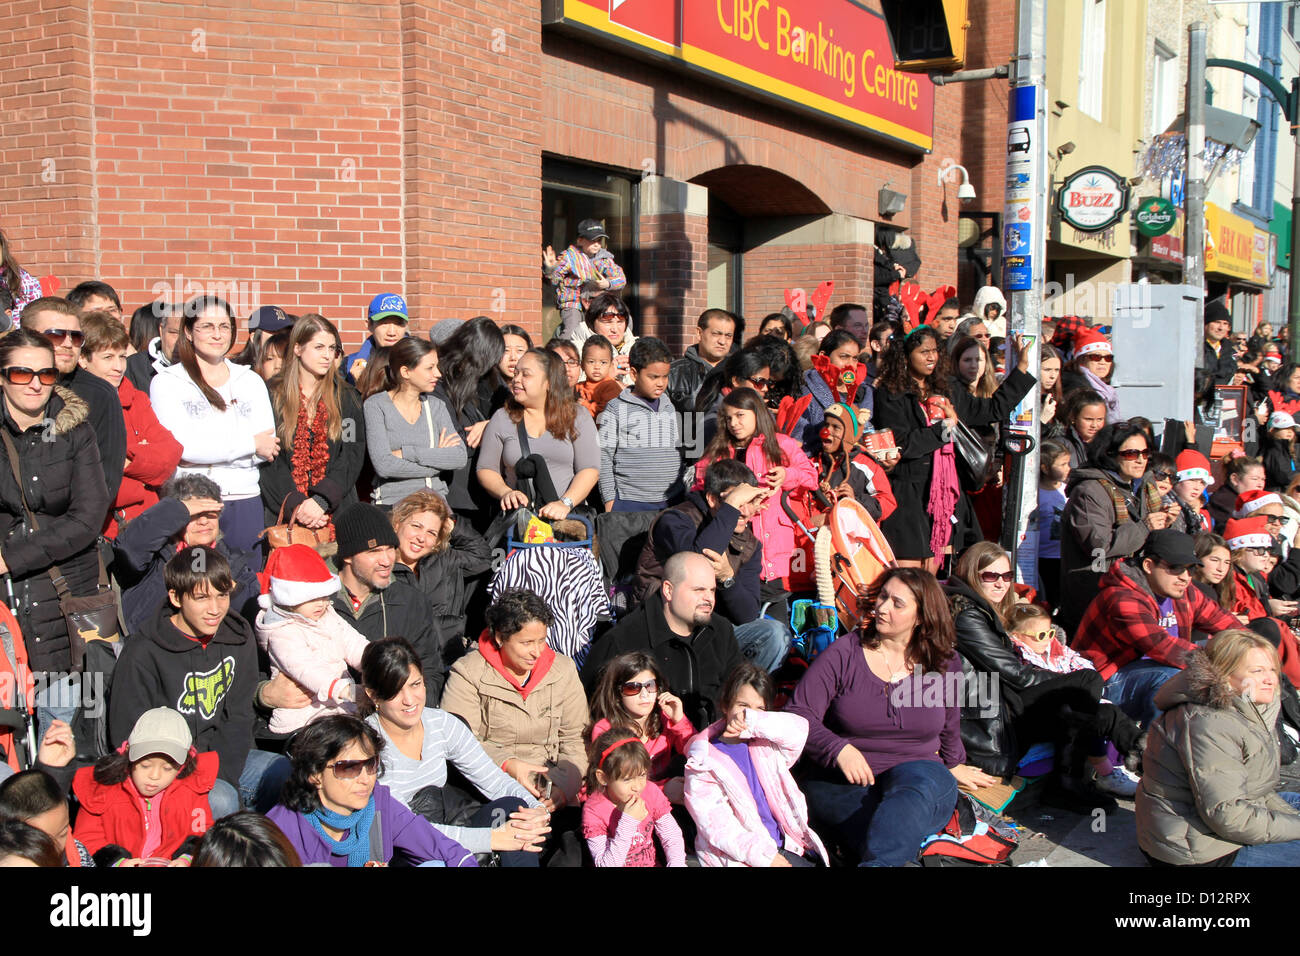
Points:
[(91, 618), (282, 534)]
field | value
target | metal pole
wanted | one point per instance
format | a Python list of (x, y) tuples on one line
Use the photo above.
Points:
[(1026, 299), (1194, 234), (1293, 309)]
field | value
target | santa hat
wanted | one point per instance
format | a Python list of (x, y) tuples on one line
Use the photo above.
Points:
[(1091, 342), (1191, 464), (1247, 533), (295, 575), (1248, 502)]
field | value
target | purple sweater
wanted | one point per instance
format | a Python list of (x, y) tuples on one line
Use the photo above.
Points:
[(401, 829), (845, 703)]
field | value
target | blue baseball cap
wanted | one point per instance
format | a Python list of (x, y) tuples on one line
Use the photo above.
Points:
[(386, 305)]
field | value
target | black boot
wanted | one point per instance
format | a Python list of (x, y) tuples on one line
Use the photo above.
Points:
[(1069, 787)]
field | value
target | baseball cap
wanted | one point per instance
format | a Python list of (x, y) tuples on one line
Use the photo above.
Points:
[(1281, 420), (1172, 547), (269, 318), (386, 305), (160, 731), (592, 229)]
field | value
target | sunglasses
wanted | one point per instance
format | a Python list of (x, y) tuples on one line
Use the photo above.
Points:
[(1134, 454), (22, 375), (760, 384), (1178, 570), (57, 336), (1039, 636), (1163, 475), (613, 314), (992, 577), (351, 769), (1258, 552), (634, 688)]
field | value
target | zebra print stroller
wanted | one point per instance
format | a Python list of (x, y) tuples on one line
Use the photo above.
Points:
[(567, 577)]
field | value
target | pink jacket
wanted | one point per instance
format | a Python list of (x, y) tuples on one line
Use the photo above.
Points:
[(772, 525), (722, 806), (316, 655)]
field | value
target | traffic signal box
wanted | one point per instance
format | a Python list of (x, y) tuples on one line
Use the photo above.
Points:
[(929, 35)]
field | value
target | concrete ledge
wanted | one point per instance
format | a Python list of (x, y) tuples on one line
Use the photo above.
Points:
[(661, 196), (835, 229)]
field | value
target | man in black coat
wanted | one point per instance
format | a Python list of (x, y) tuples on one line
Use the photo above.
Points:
[(373, 602), (696, 649), (160, 352), (58, 321), (716, 332), (1219, 360)]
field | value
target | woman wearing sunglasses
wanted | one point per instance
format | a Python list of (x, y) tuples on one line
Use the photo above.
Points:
[(1093, 366), (333, 811), (221, 414), (609, 316), (1109, 509), (53, 448), (1031, 704)]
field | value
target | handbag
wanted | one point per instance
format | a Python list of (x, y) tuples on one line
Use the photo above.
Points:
[(282, 534), (91, 618), (975, 460)]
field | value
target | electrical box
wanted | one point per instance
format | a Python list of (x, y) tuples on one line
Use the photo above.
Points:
[(1153, 335), (929, 35)]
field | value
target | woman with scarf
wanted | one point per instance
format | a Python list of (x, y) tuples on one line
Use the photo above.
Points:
[(318, 419), (912, 398), (334, 812), (836, 376), (1109, 510), (1093, 366)]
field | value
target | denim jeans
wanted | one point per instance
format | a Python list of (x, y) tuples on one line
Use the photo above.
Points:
[(1133, 688), (1272, 854), (764, 642), (260, 781), (58, 700), (885, 823)]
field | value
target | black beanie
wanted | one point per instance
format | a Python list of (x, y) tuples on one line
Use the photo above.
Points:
[(360, 527)]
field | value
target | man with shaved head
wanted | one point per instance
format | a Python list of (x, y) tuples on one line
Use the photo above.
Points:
[(676, 625)]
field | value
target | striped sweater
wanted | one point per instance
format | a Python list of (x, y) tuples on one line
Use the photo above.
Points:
[(640, 450)]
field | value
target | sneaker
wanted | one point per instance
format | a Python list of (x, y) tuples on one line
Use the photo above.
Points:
[(1121, 782)]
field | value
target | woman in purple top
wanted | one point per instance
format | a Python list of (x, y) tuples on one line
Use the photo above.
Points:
[(333, 811), (883, 706)]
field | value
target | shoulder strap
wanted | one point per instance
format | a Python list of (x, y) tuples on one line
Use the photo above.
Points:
[(377, 838), (524, 450)]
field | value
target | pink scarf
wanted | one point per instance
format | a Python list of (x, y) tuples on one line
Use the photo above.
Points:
[(1108, 393), (945, 490)]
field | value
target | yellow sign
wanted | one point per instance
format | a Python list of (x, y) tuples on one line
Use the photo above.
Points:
[(1229, 244)]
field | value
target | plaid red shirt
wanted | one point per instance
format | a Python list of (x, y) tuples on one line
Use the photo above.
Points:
[(1122, 624)]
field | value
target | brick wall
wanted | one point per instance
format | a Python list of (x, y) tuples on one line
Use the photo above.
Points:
[(310, 154), (674, 277), (770, 270)]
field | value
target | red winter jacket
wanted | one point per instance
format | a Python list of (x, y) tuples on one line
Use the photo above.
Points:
[(1122, 624), (113, 813), (152, 454)]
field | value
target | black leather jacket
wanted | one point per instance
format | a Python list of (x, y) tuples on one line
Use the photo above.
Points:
[(685, 376), (986, 650)]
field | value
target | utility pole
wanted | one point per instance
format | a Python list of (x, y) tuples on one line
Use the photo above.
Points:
[(1024, 267), (1194, 225)]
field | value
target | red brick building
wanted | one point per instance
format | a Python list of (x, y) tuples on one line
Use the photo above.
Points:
[(311, 154)]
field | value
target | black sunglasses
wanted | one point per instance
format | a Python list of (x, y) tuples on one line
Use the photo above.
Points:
[(22, 375), (57, 336)]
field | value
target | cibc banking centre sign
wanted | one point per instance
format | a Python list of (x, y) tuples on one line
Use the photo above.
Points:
[(830, 57)]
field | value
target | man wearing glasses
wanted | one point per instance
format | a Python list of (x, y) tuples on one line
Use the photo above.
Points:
[(1138, 629), (58, 321)]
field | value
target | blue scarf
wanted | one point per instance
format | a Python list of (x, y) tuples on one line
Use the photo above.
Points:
[(356, 845)]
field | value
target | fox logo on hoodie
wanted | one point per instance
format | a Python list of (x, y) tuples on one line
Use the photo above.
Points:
[(204, 692)]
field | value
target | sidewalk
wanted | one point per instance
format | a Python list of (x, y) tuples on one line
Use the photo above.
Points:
[(1062, 838)]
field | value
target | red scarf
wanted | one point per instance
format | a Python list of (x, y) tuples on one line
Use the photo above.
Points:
[(310, 448)]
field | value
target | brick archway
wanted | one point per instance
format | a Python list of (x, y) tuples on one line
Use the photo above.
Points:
[(760, 191)]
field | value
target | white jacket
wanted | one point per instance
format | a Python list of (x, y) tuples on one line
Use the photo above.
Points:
[(217, 444)]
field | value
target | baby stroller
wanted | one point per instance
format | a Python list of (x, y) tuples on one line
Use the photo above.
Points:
[(849, 553), (566, 576), (17, 722)]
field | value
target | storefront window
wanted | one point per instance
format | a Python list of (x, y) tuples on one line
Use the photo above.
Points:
[(572, 192)]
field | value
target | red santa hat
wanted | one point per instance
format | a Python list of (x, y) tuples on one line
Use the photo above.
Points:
[(1091, 342), (1247, 533), (1191, 464), (296, 575), (1248, 502)]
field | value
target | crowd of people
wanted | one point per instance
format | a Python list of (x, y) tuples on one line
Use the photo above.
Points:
[(352, 611)]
